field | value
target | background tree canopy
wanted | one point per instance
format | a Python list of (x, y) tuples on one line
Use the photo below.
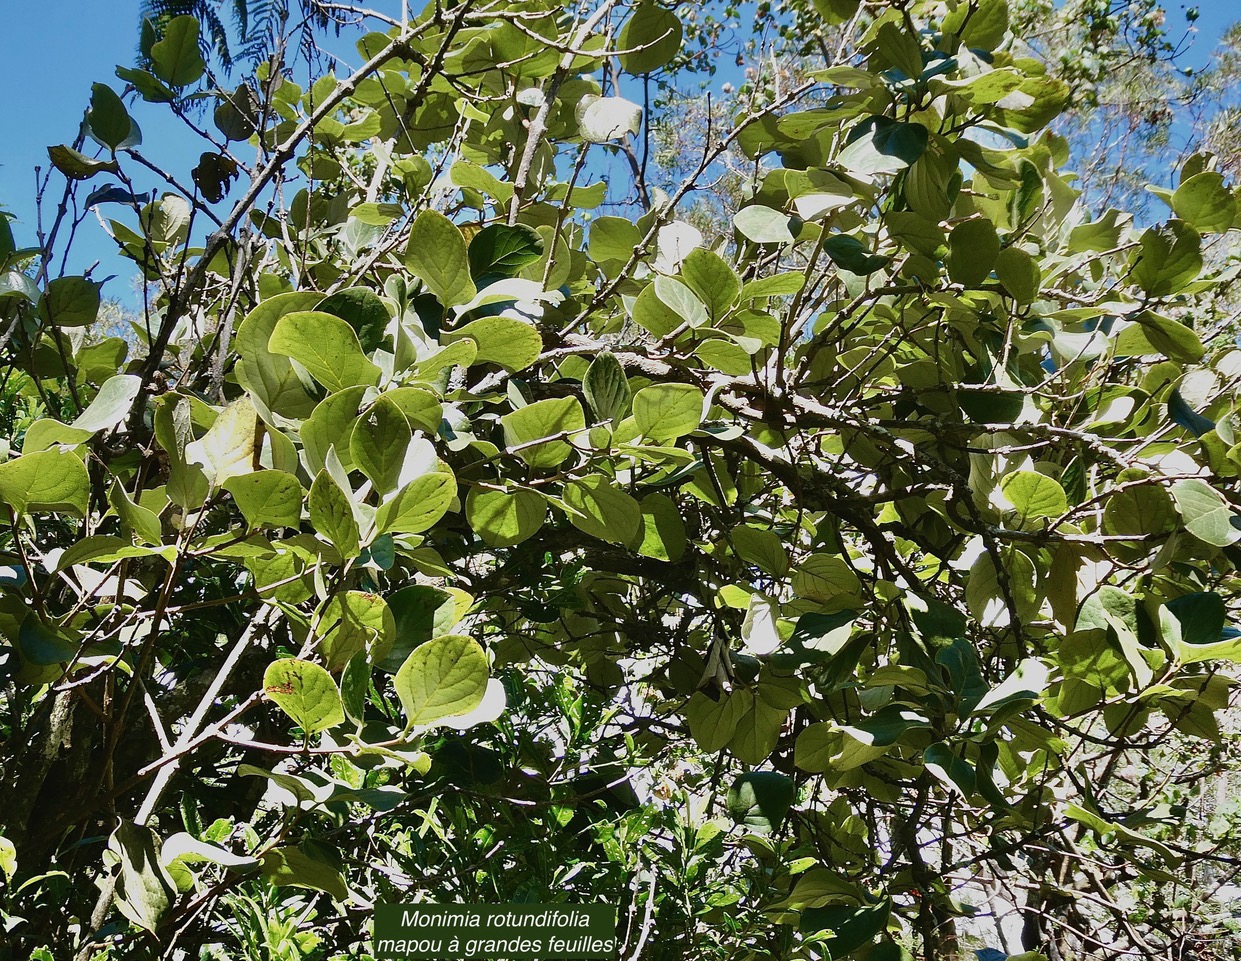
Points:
[(805, 518)]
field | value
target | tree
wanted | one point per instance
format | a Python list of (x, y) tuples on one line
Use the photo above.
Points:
[(858, 585), (257, 25)]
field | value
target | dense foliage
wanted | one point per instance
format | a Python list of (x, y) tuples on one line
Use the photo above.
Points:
[(849, 577)]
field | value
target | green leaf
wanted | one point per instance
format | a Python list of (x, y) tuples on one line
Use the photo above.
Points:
[(1152, 333), (653, 314), (950, 769), (758, 731), (144, 889), (379, 442), (1123, 834), (711, 279), (49, 480), (880, 145), (985, 599), (377, 215), (761, 800), (78, 166), (900, 49), (1139, 510), (981, 24), (1099, 235), (606, 388), (438, 255), (13, 283), (1043, 98), (1033, 495), (422, 612), (421, 407), (300, 790), (668, 411), (466, 173), (505, 518), (818, 887), (231, 445), (355, 685), (111, 404), (1169, 259), (175, 59), (849, 253), (1198, 632), (714, 723), (777, 285), (330, 426), (526, 428), (826, 747), (762, 548), (817, 194), (305, 692), (651, 39), (1205, 202), (418, 505), (825, 578), (271, 377), (189, 849), (326, 346), (8, 859), (150, 87), (267, 498), (236, 114), (597, 507), (292, 867), (763, 225), (41, 645), (108, 120), (332, 514), (663, 531), (355, 622), (837, 11), (973, 247), (363, 310), (90, 548), (70, 302), (1205, 512), (1019, 273), (445, 677), (136, 520), (851, 927), (500, 250), (613, 239), (507, 341), (601, 119), (681, 301)]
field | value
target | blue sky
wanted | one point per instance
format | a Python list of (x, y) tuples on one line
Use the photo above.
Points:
[(52, 51), (50, 54)]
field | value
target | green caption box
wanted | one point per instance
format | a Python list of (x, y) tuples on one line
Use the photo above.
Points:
[(522, 932)]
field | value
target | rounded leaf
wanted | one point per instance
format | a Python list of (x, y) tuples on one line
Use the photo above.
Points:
[(600, 509), (1033, 495), (418, 505), (972, 250), (445, 677), (267, 498), (305, 692), (651, 39), (668, 411), (326, 346), (538, 432), (505, 518), (1205, 202), (48, 480)]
